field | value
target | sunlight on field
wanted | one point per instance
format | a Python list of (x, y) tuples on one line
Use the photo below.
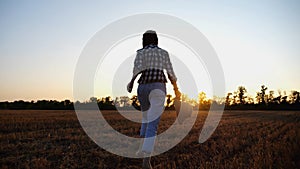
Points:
[(243, 139)]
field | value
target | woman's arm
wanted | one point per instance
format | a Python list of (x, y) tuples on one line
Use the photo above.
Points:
[(176, 91), (137, 69), (171, 75), (130, 84)]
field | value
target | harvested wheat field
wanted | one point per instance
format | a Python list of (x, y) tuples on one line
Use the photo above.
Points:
[(243, 139)]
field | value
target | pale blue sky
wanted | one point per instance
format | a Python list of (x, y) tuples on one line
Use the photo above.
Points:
[(40, 41)]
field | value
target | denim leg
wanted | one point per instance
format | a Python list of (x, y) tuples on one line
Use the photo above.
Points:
[(145, 104), (157, 100), (149, 140), (144, 124)]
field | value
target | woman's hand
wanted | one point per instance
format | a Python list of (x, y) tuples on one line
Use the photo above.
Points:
[(176, 91), (130, 86)]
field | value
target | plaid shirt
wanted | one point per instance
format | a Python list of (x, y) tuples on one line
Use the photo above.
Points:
[(151, 61)]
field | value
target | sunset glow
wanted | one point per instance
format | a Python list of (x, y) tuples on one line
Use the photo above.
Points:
[(256, 42)]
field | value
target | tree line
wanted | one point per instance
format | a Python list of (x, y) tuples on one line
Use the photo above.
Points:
[(236, 100), (264, 99)]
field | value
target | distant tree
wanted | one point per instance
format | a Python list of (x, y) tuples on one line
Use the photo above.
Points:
[(297, 97), (250, 100), (67, 102), (219, 100), (271, 97), (106, 103), (241, 92), (93, 100), (124, 100), (193, 102), (258, 97), (284, 99), (228, 99), (202, 98), (108, 100), (184, 97), (263, 93), (235, 96), (236, 100), (294, 97), (117, 102), (277, 100), (4, 105), (101, 101), (204, 103), (135, 102), (261, 96)]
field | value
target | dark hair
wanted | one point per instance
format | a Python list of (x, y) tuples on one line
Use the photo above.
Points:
[(150, 37)]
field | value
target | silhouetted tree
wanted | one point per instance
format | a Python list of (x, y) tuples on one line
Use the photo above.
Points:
[(235, 96), (250, 100), (117, 102), (108, 100), (261, 96), (93, 99), (294, 97), (228, 99), (284, 99), (263, 93), (235, 100), (204, 103), (124, 101), (271, 97), (241, 92), (201, 98), (135, 102)]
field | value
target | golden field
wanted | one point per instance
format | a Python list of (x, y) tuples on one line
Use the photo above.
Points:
[(243, 139)]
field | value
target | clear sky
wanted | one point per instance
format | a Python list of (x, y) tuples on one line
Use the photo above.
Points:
[(258, 42)]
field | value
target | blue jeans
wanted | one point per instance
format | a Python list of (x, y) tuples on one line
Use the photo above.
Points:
[(152, 98)]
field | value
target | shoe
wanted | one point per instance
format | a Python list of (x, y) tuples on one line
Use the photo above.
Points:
[(139, 153), (146, 161)]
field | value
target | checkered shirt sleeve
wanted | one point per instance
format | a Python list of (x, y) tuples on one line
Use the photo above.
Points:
[(168, 66), (138, 64)]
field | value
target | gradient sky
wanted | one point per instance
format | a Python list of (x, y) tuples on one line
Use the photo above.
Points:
[(258, 42)]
